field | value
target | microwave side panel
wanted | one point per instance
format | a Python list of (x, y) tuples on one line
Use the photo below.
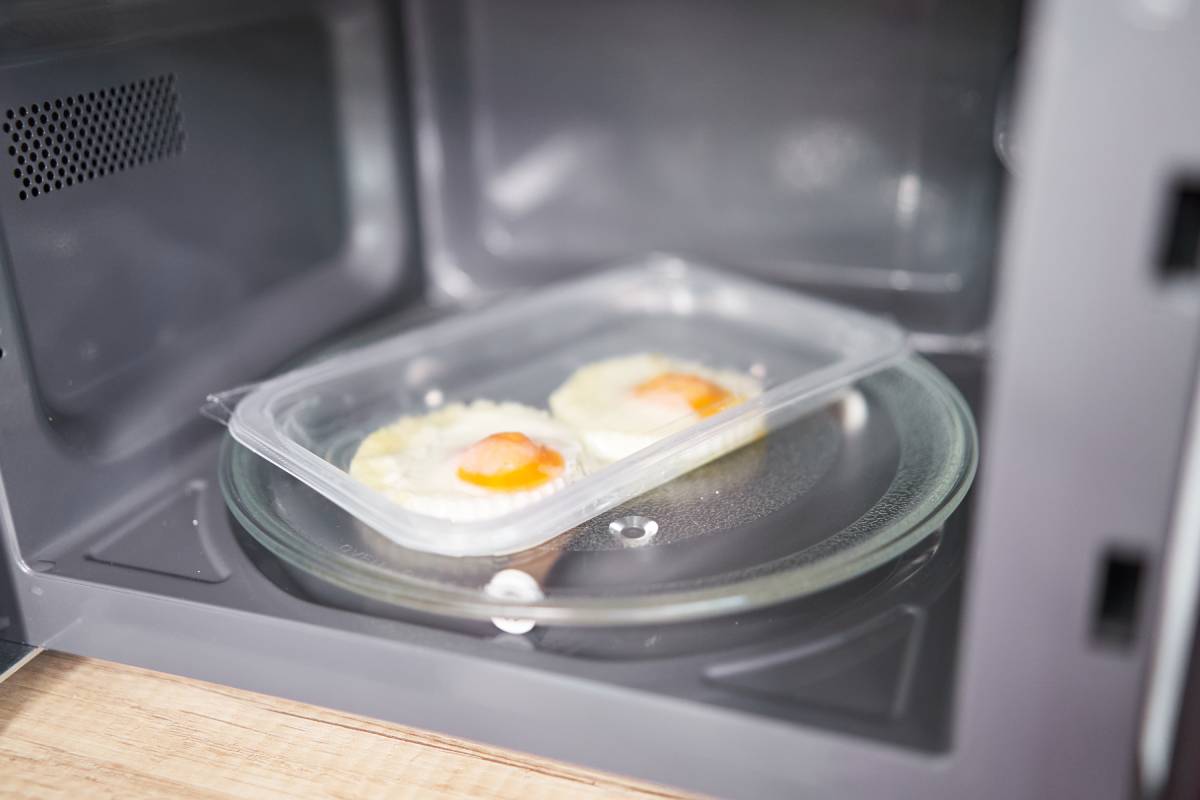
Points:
[(1092, 387), (193, 194)]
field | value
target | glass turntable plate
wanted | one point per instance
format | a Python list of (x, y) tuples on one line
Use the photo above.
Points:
[(812, 505)]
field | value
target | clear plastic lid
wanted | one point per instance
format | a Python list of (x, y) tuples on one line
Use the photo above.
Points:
[(793, 352), (818, 503)]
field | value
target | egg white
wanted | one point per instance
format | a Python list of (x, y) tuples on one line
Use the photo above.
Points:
[(598, 401), (414, 461)]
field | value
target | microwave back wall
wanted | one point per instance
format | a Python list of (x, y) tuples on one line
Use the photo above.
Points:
[(197, 194)]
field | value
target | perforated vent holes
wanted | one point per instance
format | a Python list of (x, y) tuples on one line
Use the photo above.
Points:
[(53, 144)]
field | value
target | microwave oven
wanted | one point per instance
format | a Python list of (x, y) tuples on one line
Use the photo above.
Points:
[(201, 193)]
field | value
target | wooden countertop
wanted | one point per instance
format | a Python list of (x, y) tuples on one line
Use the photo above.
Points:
[(79, 727)]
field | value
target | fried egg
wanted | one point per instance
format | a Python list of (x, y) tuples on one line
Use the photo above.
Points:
[(470, 462), (621, 405)]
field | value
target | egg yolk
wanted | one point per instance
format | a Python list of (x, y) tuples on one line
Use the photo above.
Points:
[(509, 462), (705, 397)]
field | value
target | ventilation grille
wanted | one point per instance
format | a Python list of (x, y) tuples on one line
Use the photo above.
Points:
[(54, 144)]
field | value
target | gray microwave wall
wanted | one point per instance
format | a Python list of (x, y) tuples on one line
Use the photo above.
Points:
[(193, 193), (845, 147), (117, 259), (162, 188)]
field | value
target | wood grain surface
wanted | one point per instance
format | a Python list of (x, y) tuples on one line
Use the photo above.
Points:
[(77, 727)]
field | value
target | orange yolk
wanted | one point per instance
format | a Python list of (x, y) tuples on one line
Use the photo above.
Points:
[(705, 397), (509, 462)]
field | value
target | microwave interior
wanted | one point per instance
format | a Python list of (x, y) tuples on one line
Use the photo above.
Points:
[(200, 194)]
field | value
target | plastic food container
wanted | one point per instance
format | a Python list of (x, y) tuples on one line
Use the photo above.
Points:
[(309, 422)]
